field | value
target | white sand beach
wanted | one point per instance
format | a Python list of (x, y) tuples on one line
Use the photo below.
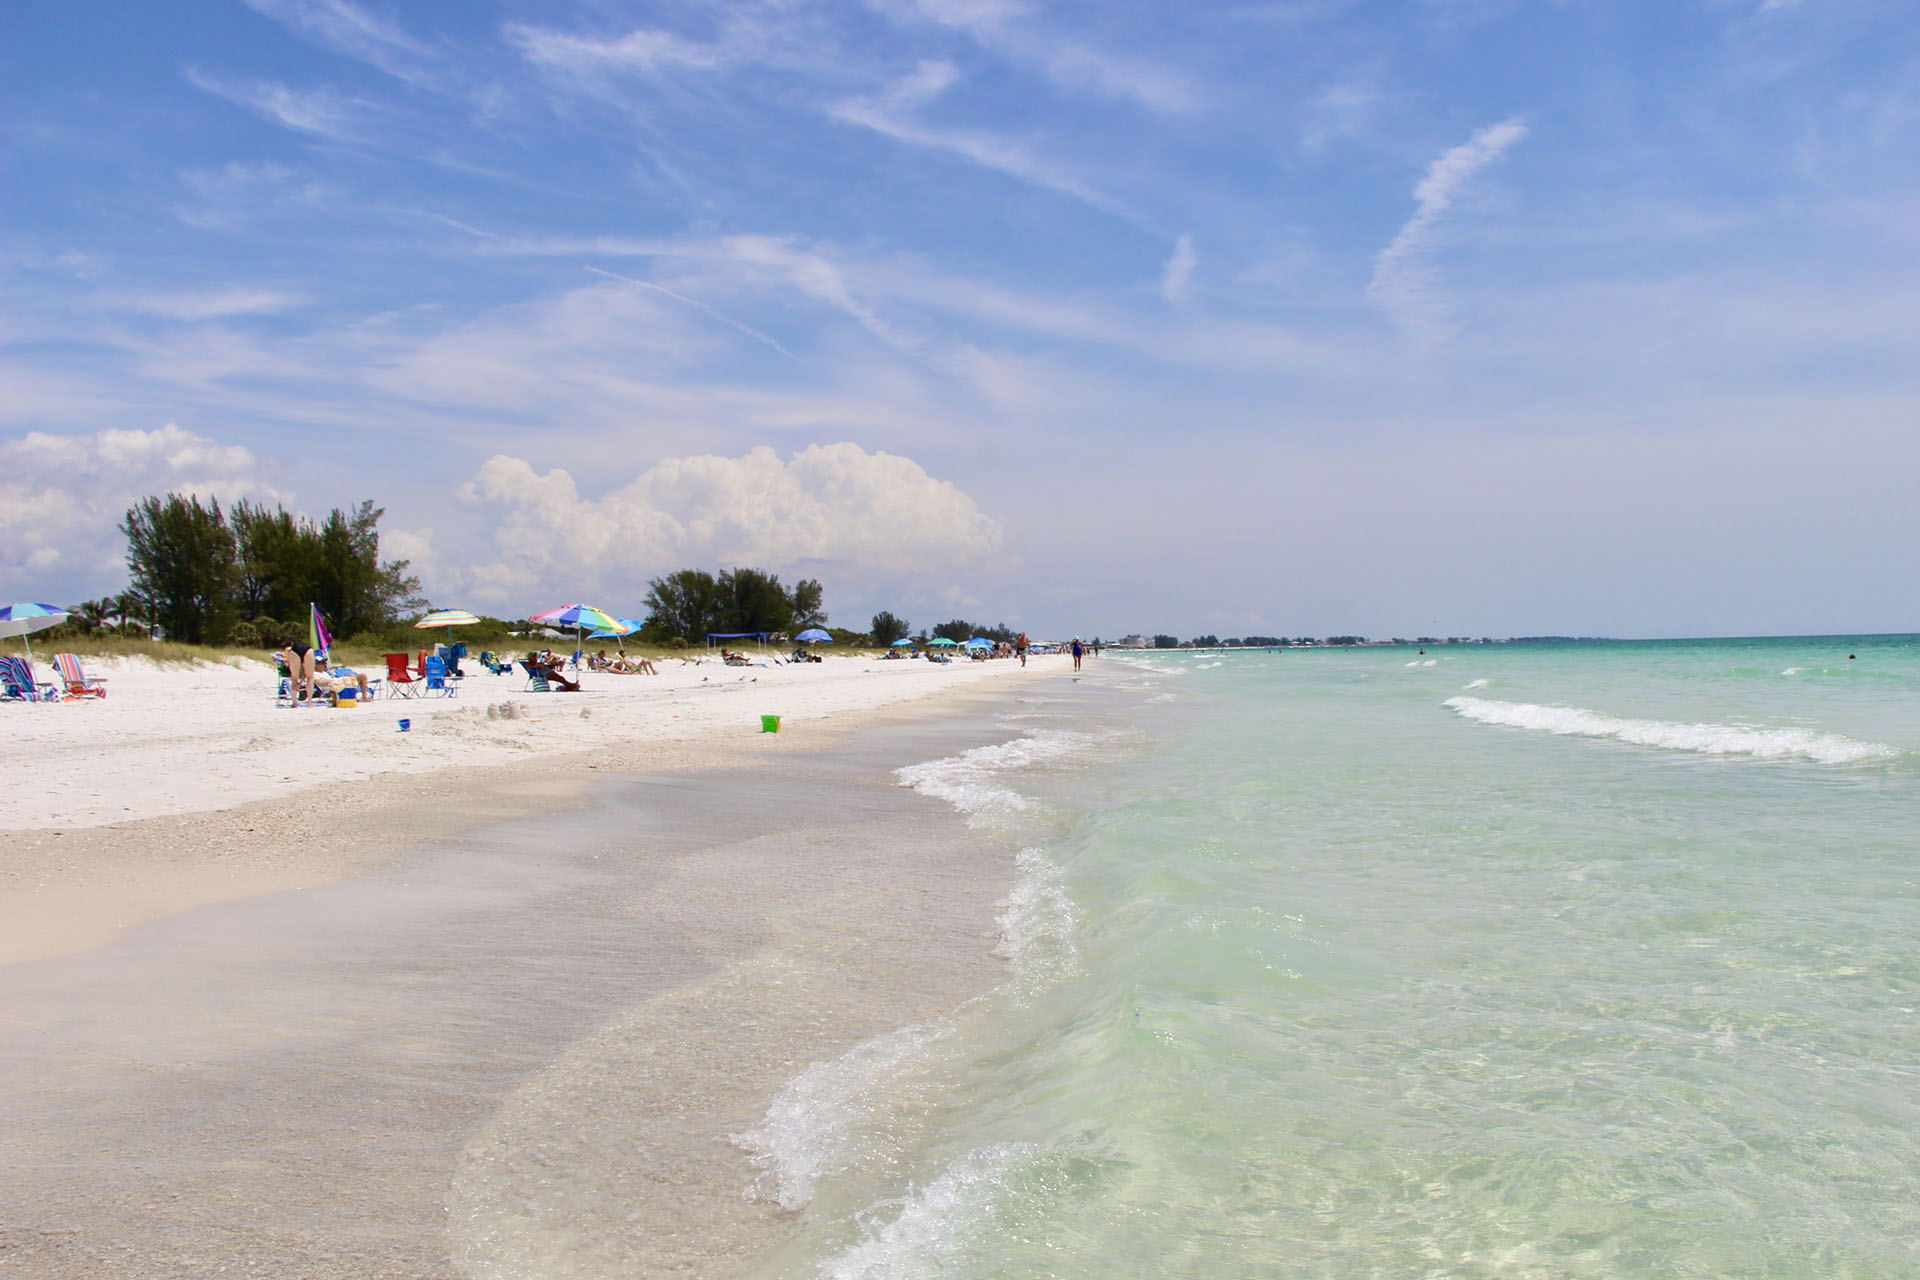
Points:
[(187, 784)]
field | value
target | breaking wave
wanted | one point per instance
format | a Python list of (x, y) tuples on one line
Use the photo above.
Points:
[(1708, 739)]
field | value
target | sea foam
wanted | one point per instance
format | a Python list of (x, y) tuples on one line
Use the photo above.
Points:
[(967, 781), (936, 1224), (813, 1128), (1709, 739)]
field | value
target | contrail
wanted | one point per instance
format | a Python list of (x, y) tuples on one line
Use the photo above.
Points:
[(695, 302)]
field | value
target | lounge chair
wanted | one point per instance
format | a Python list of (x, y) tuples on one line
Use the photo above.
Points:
[(439, 682), (402, 682), (18, 685), (494, 665), (67, 665), (536, 679)]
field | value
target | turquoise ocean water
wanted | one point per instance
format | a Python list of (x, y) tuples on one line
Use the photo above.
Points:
[(1594, 960)]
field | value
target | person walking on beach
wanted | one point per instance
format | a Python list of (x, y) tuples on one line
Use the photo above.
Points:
[(1020, 647), (1079, 651)]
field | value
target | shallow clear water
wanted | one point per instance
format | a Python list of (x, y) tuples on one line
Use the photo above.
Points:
[(1557, 960)]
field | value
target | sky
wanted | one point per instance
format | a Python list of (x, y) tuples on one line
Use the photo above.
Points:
[(1433, 317)]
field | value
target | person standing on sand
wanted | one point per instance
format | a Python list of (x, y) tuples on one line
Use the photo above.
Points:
[(1020, 647), (1079, 651)]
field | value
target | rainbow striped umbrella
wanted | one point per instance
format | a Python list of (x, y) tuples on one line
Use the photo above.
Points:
[(448, 618), (581, 617)]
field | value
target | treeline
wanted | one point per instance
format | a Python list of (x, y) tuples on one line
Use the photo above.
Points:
[(687, 605), (247, 576)]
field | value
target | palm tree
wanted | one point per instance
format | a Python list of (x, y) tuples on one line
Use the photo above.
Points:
[(92, 614)]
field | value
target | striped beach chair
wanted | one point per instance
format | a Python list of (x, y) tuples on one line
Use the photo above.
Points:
[(18, 685), (78, 686)]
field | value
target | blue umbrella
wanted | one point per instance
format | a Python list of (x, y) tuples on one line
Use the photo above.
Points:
[(979, 642), (812, 634), (627, 627), (897, 643), (19, 619)]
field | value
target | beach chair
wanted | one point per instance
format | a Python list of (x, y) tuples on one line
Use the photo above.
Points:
[(67, 665), (402, 682), (438, 682), (18, 685), (536, 679), (494, 665), (284, 694)]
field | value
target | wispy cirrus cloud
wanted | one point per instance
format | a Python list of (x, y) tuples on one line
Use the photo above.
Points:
[(1405, 284), (1011, 30), (1176, 281), (894, 113), (319, 113), (203, 305), (349, 29)]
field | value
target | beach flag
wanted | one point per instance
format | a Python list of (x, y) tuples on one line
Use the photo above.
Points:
[(319, 639)]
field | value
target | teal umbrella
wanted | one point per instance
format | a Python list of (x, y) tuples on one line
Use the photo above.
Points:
[(19, 619)]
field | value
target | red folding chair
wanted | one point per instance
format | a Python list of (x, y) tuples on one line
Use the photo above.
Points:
[(402, 681)]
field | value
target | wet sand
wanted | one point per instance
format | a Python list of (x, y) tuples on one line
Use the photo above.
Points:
[(515, 1050)]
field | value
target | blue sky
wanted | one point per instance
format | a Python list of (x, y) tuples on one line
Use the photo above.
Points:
[(1442, 316)]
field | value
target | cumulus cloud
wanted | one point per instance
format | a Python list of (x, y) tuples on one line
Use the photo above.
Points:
[(62, 498), (1405, 284), (831, 504)]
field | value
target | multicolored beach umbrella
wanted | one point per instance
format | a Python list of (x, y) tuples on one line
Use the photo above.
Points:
[(626, 628), (319, 639), (448, 618), (19, 619), (580, 617)]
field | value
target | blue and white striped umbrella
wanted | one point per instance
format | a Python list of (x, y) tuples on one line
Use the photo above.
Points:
[(19, 619)]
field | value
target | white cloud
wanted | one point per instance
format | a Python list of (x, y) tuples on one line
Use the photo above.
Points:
[(837, 505), (1176, 283), (62, 499), (349, 29), (1007, 29), (319, 112), (199, 306), (1404, 283), (890, 114)]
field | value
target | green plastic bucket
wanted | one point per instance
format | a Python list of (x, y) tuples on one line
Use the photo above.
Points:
[(769, 724)]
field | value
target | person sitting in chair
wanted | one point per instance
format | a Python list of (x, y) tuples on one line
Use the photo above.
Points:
[(643, 666), (331, 682), (545, 663)]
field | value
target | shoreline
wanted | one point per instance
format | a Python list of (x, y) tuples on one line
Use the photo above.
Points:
[(494, 1046), (203, 833)]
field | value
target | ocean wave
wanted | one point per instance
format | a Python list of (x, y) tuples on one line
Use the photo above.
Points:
[(813, 1128), (832, 1117), (937, 1224), (1710, 739), (967, 781), (1036, 928), (1481, 683)]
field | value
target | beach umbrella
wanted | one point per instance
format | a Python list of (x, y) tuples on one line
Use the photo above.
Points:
[(580, 617), (319, 639), (19, 619), (979, 642), (814, 635), (897, 643), (448, 618), (626, 628), (940, 642)]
